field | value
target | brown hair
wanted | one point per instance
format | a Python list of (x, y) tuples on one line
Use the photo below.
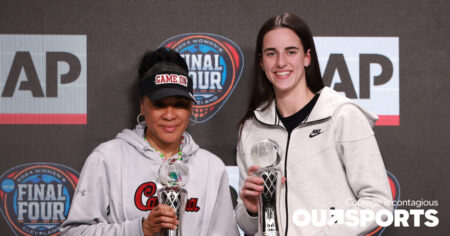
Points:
[(262, 90)]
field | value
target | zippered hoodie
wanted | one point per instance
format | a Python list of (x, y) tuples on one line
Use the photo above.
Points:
[(119, 182), (331, 161)]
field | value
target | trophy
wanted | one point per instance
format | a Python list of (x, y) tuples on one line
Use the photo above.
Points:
[(173, 174), (266, 154)]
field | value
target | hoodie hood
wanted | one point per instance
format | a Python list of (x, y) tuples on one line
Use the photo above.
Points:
[(328, 103), (136, 139)]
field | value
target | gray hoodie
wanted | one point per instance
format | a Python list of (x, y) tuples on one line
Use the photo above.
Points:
[(330, 161), (118, 184)]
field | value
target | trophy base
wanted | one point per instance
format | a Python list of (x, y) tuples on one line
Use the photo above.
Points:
[(273, 233)]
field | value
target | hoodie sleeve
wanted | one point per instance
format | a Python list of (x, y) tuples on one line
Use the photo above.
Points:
[(89, 210), (366, 174), (223, 222), (249, 224)]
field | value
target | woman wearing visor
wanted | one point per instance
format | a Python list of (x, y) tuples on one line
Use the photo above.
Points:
[(116, 193)]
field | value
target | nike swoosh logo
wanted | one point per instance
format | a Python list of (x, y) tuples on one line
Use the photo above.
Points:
[(315, 132)]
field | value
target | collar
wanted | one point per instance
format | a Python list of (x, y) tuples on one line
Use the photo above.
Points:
[(328, 103)]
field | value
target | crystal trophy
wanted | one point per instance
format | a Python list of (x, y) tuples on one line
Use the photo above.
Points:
[(173, 174), (266, 154)]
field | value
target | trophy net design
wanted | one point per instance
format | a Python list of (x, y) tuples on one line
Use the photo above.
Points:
[(265, 153), (173, 174)]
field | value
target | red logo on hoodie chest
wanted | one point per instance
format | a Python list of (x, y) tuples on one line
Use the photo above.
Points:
[(148, 190)]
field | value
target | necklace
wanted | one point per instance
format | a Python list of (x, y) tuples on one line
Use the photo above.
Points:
[(180, 153)]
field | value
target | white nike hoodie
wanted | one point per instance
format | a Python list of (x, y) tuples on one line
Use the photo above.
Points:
[(330, 161), (118, 185)]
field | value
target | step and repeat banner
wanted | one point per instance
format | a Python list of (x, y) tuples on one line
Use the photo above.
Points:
[(68, 82)]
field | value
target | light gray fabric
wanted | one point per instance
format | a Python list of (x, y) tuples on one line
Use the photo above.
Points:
[(330, 169), (114, 171)]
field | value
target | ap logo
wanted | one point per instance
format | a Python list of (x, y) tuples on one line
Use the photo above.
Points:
[(43, 79)]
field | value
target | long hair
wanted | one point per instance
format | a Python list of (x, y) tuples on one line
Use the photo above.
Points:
[(262, 90)]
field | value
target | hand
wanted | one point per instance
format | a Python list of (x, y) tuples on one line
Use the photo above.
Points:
[(252, 188), (161, 217)]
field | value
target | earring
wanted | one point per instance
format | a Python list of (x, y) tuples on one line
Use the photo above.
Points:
[(193, 120), (138, 118)]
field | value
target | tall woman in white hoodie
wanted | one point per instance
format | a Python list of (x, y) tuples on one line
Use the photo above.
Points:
[(330, 157)]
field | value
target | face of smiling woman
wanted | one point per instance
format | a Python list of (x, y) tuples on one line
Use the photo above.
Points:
[(283, 60), (166, 121)]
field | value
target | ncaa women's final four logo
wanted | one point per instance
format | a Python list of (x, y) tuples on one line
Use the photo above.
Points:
[(35, 198), (215, 66)]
